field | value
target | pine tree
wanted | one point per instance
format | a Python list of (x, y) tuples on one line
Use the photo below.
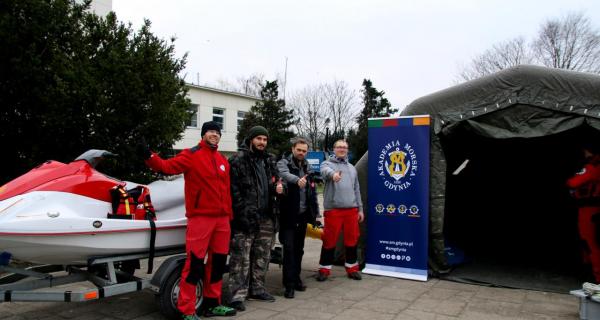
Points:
[(72, 81), (375, 106), (272, 114)]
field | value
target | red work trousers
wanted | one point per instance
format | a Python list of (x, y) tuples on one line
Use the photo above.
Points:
[(206, 238), (337, 220), (587, 232)]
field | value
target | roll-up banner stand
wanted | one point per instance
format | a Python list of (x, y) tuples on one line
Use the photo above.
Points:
[(398, 197)]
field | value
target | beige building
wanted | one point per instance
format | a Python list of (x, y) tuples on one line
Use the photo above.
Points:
[(224, 107)]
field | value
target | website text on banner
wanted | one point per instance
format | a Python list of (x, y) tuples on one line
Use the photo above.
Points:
[(398, 197)]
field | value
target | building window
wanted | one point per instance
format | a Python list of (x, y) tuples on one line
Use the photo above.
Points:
[(193, 110), (219, 116), (241, 116)]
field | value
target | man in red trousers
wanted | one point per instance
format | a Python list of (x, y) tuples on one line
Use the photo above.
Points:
[(343, 211), (208, 210), (585, 187)]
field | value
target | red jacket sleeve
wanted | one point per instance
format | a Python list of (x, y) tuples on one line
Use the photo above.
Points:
[(589, 173), (176, 165)]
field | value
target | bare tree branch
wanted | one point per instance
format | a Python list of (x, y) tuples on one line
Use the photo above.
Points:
[(317, 106), (501, 56), (341, 102), (311, 112), (569, 43), (250, 85)]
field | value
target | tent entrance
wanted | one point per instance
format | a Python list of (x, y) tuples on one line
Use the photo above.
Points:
[(510, 212)]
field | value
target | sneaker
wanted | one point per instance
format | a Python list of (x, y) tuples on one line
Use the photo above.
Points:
[(590, 288), (219, 311), (265, 296), (190, 317), (355, 275), (238, 305), (322, 276)]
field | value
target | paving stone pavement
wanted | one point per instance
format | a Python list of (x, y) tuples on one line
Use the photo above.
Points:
[(338, 298)]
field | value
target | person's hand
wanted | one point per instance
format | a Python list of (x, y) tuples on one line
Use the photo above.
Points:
[(337, 176), (142, 149), (361, 216), (302, 182), (318, 224), (279, 187)]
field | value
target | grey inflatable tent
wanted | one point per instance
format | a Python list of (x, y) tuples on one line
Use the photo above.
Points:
[(521, 130)]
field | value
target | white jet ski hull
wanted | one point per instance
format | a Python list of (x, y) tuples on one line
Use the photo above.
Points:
[(50, 227)]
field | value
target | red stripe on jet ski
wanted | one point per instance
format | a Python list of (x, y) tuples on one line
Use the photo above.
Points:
[(83, 232)]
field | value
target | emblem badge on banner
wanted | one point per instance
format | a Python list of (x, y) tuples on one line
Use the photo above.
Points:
[(398, 197)]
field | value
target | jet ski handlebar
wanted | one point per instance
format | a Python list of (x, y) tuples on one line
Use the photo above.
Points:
[(95, 156)]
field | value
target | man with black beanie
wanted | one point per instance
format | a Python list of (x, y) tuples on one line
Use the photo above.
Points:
[(208, 211), (254, 184)]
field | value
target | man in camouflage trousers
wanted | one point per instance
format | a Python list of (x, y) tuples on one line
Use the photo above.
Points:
[(254, 183)]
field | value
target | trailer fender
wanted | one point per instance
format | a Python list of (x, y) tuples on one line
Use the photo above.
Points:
[(165, 270)]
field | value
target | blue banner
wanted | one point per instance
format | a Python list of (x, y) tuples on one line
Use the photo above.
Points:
[(398, 197), (314, 159)]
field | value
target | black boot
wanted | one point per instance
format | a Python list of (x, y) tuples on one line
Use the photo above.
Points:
[(289, 292), (300, 286)]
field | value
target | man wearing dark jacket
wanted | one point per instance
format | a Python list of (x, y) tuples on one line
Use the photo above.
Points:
[(253, 187), (208, 211), (298, 208)]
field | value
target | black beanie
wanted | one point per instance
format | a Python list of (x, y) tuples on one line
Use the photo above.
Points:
[(257, 131), (210, 125)]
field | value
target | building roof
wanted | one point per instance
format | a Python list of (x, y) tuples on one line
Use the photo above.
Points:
[(222, 91)]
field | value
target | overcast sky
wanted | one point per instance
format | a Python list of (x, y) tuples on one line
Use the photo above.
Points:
[(407, 48)]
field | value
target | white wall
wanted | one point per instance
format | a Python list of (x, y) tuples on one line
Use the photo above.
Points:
[(207, 99)]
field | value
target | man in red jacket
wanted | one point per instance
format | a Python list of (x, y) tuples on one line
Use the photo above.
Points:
[(208, 210), (585, 186)]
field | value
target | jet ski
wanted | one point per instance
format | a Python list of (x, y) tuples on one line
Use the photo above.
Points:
[(60, 214)]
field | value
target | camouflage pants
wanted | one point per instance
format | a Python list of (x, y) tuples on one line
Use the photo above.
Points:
[(249, 261)]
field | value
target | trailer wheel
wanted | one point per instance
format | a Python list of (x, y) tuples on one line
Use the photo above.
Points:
[(167, 298)]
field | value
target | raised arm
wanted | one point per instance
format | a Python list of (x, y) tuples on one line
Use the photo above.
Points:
[(176, 165), (589, 173), (327, 170)]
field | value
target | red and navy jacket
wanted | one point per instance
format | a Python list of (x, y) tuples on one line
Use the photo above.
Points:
[(206, 174), (586, 184)]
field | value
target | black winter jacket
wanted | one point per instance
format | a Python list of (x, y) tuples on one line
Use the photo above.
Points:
[(290, 204), (246, 193)]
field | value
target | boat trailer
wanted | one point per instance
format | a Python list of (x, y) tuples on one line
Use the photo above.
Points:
[(110, 276)]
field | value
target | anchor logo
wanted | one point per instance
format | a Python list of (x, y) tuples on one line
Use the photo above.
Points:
[(398, 166)]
